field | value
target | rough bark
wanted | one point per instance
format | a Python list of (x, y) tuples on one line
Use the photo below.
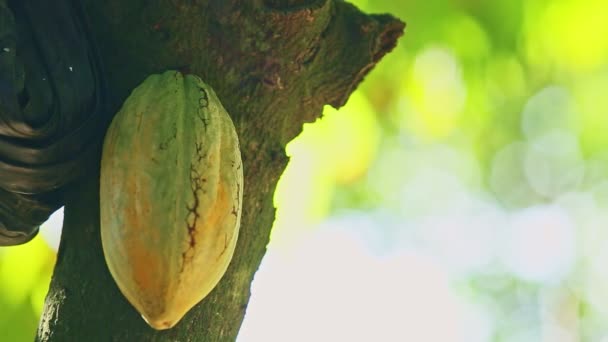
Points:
[(274, 64)]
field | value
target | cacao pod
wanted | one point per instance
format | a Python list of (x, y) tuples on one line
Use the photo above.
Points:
[(170, 196)]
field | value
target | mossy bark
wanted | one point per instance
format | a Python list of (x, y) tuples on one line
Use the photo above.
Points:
[(274, 64)]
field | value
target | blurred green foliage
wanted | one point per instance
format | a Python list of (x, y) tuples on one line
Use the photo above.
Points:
[(25, 274), (507, 98), (480, 142)]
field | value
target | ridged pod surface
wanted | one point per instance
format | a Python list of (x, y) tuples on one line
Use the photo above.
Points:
[(170, 196)]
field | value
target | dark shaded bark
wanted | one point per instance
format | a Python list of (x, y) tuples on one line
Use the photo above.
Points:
[(52, 110), (274, 64)]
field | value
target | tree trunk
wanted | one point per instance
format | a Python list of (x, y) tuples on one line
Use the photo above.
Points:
[(273, 64)]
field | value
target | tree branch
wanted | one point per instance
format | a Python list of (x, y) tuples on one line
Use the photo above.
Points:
[(274, 64)]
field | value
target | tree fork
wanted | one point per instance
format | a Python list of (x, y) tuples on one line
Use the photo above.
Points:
[(274, 64)]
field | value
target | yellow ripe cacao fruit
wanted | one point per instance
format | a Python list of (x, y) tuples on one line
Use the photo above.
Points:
[(170, 196)]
